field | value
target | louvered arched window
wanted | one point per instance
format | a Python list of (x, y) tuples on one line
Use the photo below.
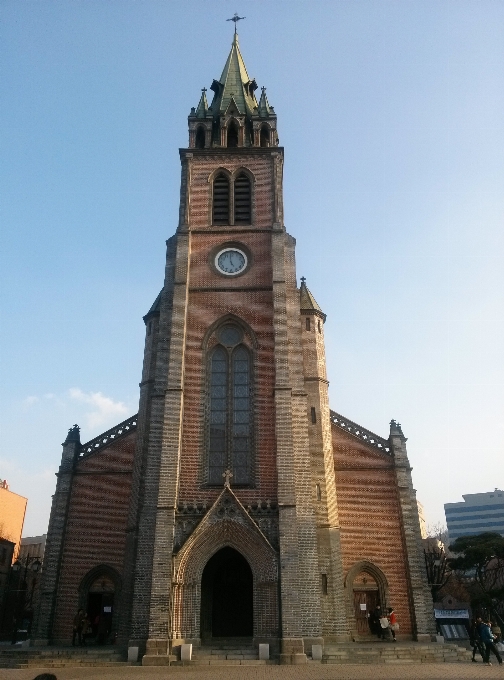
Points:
[(242, 199), (230, 431), (232, 135), (221, 199), (200, 137)]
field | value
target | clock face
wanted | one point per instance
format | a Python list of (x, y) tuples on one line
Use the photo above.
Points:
[(231, 261)]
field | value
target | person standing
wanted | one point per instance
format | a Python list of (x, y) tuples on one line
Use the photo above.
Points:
[(475, 640), (374, 620), (384, 626), (77, 627), (393, 622), (485, 631)]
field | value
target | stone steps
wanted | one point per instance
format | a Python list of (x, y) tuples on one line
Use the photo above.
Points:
[(59, 658), (381, 653)]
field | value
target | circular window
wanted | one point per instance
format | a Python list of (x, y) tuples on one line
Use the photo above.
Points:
[(230, 336), (231, 261)]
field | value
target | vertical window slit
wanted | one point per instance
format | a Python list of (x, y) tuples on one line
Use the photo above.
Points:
[(242, 203), (313, 415), (324, 584), (221, 199)]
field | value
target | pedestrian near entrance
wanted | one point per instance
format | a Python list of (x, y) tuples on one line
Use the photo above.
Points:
[(374, 620), (394, 626), (384, 627), (475, 640), (485, 631), (78, 622)]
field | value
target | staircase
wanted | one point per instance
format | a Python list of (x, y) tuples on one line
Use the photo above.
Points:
[(226, 652), (399, 652), (62, 657)]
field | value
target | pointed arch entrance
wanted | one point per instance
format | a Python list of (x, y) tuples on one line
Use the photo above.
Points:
[(227, 596), (366, 587)]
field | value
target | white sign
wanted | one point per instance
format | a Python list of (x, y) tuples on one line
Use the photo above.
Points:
[(451, 613), (107, 610), (363, 606)]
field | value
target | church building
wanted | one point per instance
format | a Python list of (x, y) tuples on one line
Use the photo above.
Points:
[(236, 503)]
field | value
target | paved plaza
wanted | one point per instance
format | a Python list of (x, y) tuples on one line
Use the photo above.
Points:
[(444, 671)]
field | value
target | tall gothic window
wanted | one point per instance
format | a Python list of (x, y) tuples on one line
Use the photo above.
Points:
[(242, 199), (230, 409), (221, 199)]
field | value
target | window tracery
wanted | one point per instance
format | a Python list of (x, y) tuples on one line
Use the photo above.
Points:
[(230, 408)]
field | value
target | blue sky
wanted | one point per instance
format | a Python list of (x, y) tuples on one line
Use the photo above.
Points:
[(392, 119)]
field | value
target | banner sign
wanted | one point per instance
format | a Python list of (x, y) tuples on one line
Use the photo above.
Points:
[(451, 613)]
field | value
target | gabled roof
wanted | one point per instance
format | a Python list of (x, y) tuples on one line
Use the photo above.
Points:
[(234, 83)]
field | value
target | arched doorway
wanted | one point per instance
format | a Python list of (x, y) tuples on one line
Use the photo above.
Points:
[(100, 607), (227, 596), (366, 596)]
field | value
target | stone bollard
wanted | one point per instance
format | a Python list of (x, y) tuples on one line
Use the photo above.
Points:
[(133, 654), (264, 652), (316, 652), (185, 652)]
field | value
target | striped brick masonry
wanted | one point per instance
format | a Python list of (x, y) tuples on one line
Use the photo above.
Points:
[(326, 505)]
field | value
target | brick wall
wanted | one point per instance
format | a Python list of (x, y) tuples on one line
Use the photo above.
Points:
[(370, 520), (96, 525)]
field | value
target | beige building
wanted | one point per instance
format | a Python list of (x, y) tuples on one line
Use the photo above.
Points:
[(33, 547), (12, 514)]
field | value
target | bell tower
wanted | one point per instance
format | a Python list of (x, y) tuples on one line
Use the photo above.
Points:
[(224, 460)]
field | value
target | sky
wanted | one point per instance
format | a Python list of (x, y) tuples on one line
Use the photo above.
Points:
[(392, 119)]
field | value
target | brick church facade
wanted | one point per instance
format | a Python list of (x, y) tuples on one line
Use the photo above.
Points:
[(235, 503)]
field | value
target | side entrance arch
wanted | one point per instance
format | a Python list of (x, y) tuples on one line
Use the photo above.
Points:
[(98, 595), (365, 588), (227, 596)]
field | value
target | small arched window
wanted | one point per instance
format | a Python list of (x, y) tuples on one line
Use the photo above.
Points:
[(265, 136), (230, 432), (232, 135), (200, 137), (242, 199), (221, 199)]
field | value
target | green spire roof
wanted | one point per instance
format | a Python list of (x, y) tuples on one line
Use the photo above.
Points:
[(202, 109), (264, 107), (306, 300), (234, 85)]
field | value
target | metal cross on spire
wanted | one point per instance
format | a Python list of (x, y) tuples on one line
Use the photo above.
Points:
[(236, 18), (227, 478)]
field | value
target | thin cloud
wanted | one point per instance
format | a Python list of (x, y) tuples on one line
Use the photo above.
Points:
[(104, 408), (29, 401)]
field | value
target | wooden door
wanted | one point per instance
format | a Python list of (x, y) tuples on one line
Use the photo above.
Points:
[(364, 603)]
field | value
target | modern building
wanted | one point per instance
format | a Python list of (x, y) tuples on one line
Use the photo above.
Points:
[(421, 519), (478, 512), (235, 503), (12, 514), (33, 547)]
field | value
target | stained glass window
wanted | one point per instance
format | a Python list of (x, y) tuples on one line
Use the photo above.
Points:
[(230, 413)]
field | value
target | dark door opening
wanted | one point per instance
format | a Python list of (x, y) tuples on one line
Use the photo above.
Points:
[(100, 607), (227, 596)]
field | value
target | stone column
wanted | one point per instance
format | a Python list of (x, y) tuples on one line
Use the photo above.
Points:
[(422, 612), (299, 573), (55, 538)]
